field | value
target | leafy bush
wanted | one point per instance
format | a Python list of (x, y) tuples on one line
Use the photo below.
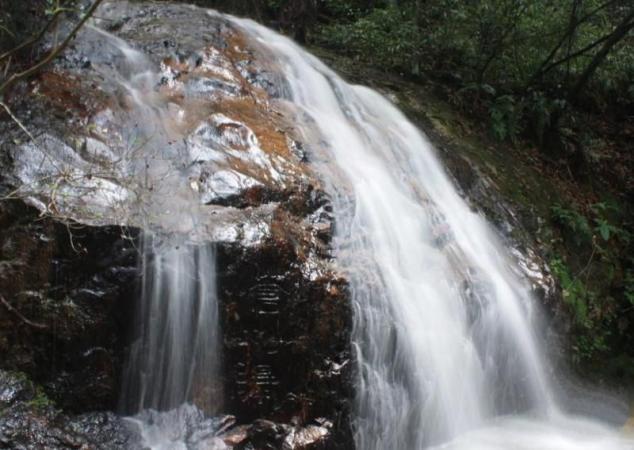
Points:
[(534, 53), (575, 224), (506, 117), (595, 276), (389, 35)]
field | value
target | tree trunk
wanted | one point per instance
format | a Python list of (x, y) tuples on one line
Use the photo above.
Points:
[(617, 35)]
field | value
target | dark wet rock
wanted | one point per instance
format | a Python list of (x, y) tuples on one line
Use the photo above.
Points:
[(65, 293), (235, 436), (30, 420), (265, 434), (286, 325)]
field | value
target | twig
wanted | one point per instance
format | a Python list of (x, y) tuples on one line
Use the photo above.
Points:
[(53, 54), (70, 238), (17, 313), (34, 39), (6, 68), (587, 266), (16, 120)]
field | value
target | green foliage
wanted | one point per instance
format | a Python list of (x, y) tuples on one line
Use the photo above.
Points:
[(592, 325), (575, 224), (594, 270), (389, 35), (40, 400), (343, 10), (574, 291), (527, 54), (584, 231), (588, 345), (506, 115)]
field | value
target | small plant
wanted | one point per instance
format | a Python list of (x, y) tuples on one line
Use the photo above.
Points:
[(573, 223), (593, 276), (574, 291), (506, 118), (604, 226), (40, 400)]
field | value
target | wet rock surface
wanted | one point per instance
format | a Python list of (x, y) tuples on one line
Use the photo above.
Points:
[(286, 338), (65, 291), (30, 420), (70, 276), (172, 83)]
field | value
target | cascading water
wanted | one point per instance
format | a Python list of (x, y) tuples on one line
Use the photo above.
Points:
[(177, 347), (443, 328), (174, 358)]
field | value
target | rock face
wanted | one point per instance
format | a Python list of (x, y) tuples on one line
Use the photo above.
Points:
[(170, 110), (65, 292), (286, 340), (28, 420)]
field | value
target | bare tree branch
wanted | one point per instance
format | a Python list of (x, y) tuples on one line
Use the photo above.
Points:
[(53, 54), (614, 38), (18, 314), (576, 54), (35, 38), (546, 65), (16, 120)]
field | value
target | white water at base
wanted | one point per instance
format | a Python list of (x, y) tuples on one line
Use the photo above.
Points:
[(182, 428), (520, 433), (444, 329)]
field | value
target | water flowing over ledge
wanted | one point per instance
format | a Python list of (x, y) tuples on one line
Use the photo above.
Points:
[(203, 144), (444, 329)]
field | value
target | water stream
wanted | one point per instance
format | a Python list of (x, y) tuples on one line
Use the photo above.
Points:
[(174, 359), (444, 330), (178, 321)]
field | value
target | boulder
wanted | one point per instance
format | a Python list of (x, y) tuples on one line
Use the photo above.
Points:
[(164, 113)]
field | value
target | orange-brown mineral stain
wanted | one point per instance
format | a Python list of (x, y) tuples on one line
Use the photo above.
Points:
[(67, 94)]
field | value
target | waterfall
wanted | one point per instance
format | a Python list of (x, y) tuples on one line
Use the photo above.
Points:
[(174, 360), (443, 328)]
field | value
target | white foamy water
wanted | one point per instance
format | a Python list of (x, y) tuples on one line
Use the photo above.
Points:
[(182, 428), (443, 329)]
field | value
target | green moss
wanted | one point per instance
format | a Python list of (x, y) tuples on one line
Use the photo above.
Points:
[(517, 181), (40, 400)]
